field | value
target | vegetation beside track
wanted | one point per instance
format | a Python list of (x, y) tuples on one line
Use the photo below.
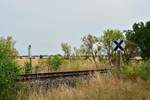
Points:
[(98, 88)]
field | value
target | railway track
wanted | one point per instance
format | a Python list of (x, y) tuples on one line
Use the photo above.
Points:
[(55, 75)]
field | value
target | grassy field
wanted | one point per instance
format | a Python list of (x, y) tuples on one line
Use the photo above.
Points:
[(98, 88)]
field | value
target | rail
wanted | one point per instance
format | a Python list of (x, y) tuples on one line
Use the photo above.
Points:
[(55, 75)]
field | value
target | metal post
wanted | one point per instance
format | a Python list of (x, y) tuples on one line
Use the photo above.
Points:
[(29, 54), (119, 60), (119, 63)]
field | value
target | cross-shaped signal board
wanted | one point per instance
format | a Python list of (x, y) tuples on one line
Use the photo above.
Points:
[(119, 45)]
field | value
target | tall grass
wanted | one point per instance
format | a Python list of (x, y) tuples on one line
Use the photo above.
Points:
[(78, 64), (98, 88)]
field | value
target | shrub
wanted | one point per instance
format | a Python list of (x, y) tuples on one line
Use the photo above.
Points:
[(142, 71), (132, 72), (8, 67), (8, 74), (37, 68), (145, 70), (27, 68), (55, 61)]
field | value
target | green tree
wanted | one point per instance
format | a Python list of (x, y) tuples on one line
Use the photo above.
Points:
[(8, 66), (131, 49), (107, 40), (88, 43), (7, 50), (66, 49), (80, 51), (141, 36)]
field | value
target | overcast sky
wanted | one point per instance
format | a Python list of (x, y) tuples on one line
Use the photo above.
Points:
[(46, 23)]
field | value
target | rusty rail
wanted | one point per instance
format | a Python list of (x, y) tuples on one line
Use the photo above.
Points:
[(55, 75)]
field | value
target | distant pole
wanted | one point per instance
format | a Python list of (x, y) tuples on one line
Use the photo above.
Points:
[(29, 54)]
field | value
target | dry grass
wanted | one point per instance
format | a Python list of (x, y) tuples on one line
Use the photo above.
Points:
[(98, 88), (67, 65)]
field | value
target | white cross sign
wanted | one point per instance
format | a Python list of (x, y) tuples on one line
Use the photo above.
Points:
[(119, 45)]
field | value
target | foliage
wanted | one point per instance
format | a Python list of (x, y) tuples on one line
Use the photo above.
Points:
[(8, 67), (27, 68), (145, 70), (108, 37), (88, 45), (142, 71), (88, 42), (7, 50), (141, 36), (67, 49), (37, 68), (55, 61), (8, 74), (132, 72), (81, 51), (130, 51)]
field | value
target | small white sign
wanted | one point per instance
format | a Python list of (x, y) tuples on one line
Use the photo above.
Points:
[(118, 45)]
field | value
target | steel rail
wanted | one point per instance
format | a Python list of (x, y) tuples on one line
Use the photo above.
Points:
[(55, 75)]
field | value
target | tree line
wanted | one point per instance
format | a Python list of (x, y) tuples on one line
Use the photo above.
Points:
[(137, 43)]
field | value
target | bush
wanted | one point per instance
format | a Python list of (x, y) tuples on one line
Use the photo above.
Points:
[(142, 71), (132, 72), (37, 68), (8, 67), (8, 74), (145, 70), (55, 61), (27, 68)]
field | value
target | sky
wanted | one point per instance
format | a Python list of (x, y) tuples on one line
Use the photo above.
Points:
[(45, 24)]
